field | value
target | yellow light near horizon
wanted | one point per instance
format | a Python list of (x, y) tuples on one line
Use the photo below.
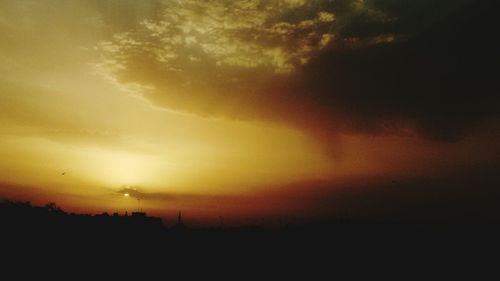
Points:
[(109, 134), (119, 168)]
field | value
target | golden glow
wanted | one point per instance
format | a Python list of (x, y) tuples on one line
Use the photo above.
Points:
[(60, 110), (157, 97)]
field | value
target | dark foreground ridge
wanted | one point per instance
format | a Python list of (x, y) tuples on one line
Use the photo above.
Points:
[(25, 219), (49, 229)]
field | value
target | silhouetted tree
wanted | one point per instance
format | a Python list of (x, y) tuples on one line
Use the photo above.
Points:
[(52, 207)]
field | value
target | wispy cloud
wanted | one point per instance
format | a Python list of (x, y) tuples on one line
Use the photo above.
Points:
[(246, 34)]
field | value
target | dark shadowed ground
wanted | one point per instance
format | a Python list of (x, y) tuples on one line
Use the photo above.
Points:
[(45, 234)]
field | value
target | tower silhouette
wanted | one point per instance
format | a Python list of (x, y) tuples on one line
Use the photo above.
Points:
[(179, 225)]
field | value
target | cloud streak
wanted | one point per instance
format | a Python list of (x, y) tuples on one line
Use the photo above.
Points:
[(137, 193)]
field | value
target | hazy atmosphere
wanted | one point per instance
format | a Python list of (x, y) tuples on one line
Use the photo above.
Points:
[(252, 111)]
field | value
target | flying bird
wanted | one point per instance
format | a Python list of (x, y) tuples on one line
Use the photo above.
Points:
[(63, 173)]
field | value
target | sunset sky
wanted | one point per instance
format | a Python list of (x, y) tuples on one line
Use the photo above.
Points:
[(250, 111)]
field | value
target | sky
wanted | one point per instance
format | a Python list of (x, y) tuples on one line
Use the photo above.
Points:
[(252, 111)]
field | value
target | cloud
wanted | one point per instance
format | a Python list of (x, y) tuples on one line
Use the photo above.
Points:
[(438, 82), (138, 193), (241, 34), (355, 66)]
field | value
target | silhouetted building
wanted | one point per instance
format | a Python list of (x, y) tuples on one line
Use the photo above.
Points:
[(139, 214), (24, 217)]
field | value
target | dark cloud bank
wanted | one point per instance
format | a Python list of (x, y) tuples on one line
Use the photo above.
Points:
[(391, 65), (440, 78)]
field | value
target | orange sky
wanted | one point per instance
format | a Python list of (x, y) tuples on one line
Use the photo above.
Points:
[(189, 105)]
